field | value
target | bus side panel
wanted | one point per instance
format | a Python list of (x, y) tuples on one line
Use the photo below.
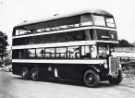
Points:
[(16, 68), (54, 71)]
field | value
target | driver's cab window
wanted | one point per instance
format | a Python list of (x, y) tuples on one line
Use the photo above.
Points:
[(103, 51)]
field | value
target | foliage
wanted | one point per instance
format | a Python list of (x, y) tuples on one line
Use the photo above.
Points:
[(124, 43), (3, 45)]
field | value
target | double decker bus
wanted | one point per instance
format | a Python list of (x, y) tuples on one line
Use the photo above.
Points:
[(75, 47)]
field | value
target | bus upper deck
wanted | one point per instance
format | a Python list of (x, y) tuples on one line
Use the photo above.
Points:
[(95, 18)]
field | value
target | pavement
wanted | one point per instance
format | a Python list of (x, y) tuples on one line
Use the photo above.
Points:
[(12, 86)]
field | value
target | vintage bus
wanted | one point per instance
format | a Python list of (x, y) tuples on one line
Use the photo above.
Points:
[(75, 47)]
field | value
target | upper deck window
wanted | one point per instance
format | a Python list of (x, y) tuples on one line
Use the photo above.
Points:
[(104, 21), (86, 20), (99, 20), (21, 32), (110, 22)]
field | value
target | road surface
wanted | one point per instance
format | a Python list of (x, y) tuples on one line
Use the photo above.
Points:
[(11, 86)]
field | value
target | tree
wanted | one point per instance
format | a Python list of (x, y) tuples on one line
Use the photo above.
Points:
[(3, 45), (124, 43)]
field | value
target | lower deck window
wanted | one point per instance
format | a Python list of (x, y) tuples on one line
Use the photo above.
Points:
[(31, 53), (71, 52)]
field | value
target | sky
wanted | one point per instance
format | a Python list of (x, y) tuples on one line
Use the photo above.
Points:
[(13, 12)]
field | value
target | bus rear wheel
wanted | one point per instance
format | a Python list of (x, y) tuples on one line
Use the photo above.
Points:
[(25, 73), (35, 74), (91, 78)]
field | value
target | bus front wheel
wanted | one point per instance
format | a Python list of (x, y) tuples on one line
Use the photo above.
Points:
[(25, 73), (91, 78), (116, 80)]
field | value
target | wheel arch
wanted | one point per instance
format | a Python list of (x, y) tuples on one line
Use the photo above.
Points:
[(93, 67)]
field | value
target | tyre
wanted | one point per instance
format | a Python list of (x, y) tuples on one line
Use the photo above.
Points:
[(116, 80), (91, 78), (35, 74), (25, 73)]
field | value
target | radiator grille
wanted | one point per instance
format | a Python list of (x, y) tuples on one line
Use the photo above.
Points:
[(114, 65)]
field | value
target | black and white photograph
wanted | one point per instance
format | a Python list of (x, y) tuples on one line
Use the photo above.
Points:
[(67, 49)]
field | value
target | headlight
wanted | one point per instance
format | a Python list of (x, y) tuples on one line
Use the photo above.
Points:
[(105, 65), (120, 66)]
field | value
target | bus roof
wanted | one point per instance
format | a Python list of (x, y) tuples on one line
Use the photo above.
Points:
[(55, 17)]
